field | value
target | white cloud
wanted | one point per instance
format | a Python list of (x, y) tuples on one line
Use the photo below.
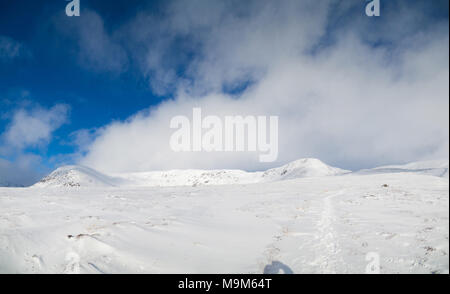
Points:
[(32, 127), (348, 103), (29, 127)]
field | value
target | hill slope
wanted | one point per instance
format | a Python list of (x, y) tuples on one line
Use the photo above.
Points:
[(302, 168), (438, 168), (77, 176)]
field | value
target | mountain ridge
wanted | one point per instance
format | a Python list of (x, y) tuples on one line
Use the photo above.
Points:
[(81, 176)]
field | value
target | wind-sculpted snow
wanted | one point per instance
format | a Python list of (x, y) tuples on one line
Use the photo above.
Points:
[(305, 225)]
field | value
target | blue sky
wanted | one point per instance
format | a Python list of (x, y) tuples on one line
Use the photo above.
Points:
[(122, 57), (51, 74)]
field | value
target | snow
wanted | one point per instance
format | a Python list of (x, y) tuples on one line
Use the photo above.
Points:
[(79, 176), (81, 221), (189, 178), (76, 176), (437, 168), (306, 167)]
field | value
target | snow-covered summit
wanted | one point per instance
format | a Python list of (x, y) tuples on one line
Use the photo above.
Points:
[(305, 167), (437, 168), (77, 176)]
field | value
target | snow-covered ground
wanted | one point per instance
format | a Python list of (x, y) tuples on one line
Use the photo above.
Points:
[(307, 217)]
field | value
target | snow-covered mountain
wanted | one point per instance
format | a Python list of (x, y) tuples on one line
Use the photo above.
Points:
[(190, 177), (438, 168), (77, 176), (80, 176), (302, 168)]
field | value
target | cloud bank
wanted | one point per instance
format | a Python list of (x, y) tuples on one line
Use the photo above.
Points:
[(355, 94)]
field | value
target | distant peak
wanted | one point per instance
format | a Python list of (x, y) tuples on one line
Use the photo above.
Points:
[(76, 176)]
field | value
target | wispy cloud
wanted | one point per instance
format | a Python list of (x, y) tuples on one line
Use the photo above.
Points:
[(11, 49), (96, 49)]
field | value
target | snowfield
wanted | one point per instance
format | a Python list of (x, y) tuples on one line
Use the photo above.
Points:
[(305, 217)]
